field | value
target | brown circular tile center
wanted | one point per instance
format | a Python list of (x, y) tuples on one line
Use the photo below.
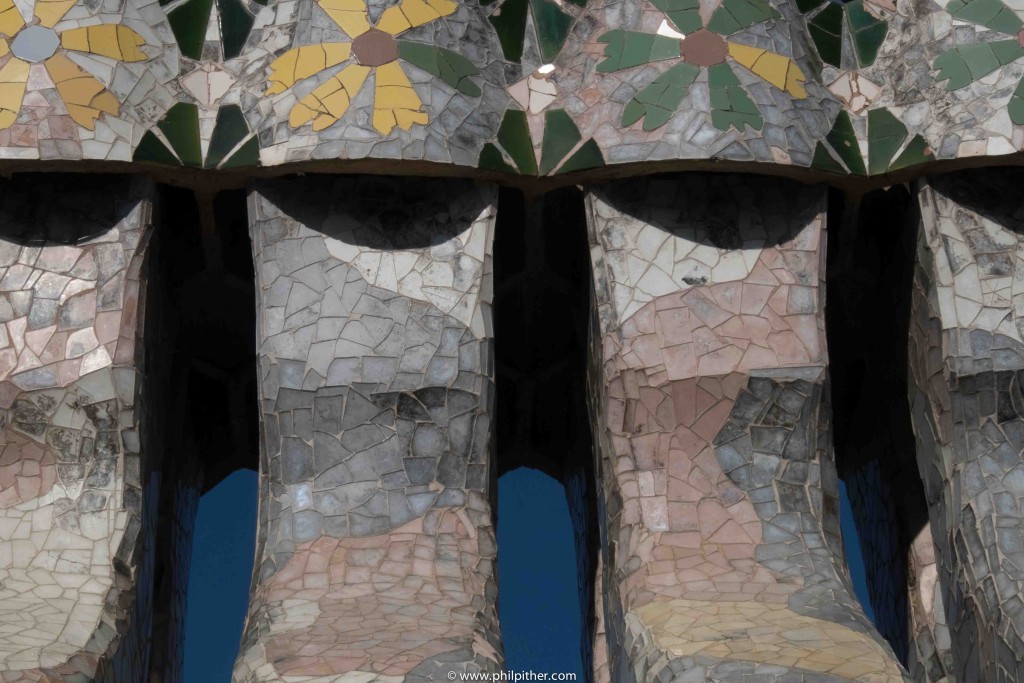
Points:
[(375, 48), (703, 48)]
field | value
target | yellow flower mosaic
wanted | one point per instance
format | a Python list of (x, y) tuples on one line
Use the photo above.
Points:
[(373, 50), (23, 44)]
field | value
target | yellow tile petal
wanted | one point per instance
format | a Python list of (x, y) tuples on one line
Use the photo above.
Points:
[(350, 15), (780, 71), (13, 77), (50, 12), (10, 18), (109, 40), (395, 102), (84, 96), (303, 62), (412, 13), (329, 101)]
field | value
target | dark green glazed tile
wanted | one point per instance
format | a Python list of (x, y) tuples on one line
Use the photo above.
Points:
[(806, 6), (823, 161), (510, 25), (917, 152), (826, 29), (189, 23), (181, 128), (151, 149), (843, 141), (514, 137), (991, 14), (550, 22), (235, 24), (587, 156), (734, 15), (229, 130), (885, 135), (452, 68), (552, 26), (247, 155), (868, 32), (685, 14), (492, 160), (560, 136)]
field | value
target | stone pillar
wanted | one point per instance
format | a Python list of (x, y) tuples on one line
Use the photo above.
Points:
[(376, 546), (967, 365), (72, 485), (722, 554)]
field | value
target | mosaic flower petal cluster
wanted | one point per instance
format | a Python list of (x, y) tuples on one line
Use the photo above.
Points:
[(23, 44), (965, 64), (684, 37), (374, 49)]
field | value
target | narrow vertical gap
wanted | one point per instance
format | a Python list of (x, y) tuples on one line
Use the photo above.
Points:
[(208, 385), (541, 309), (870, 267)]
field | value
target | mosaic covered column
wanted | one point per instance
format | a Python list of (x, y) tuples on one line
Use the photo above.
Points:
[(71, 480), (967, 366), (376, 546), (722, 554)]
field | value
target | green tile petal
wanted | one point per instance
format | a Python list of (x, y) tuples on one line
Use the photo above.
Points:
[(492, 160), (152, 149), (868, 32), (229, 130), (450, 67), (510, 24), (885, 135), (826, 29), (235, 24), (916, 152), (627, 49), (1016, 106), (730, 104), (967, 63), (552, 26), (247, 155), (843, 141), (824, 161), (180, 126), (685, 14), (560, 136), (658, 101), (587, 156), (735, 15), (189, 22), (991, 14), (514, 137)]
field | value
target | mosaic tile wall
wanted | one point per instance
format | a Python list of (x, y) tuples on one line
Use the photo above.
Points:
[(721, 551), (966, 357), (72, 486), (376, 546), (517, 87)]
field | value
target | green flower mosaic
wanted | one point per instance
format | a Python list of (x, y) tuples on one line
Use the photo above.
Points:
[(837, 26), (698, 47), (966, 64)]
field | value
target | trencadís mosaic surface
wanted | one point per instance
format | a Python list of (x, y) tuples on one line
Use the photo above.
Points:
[(524, 87)]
